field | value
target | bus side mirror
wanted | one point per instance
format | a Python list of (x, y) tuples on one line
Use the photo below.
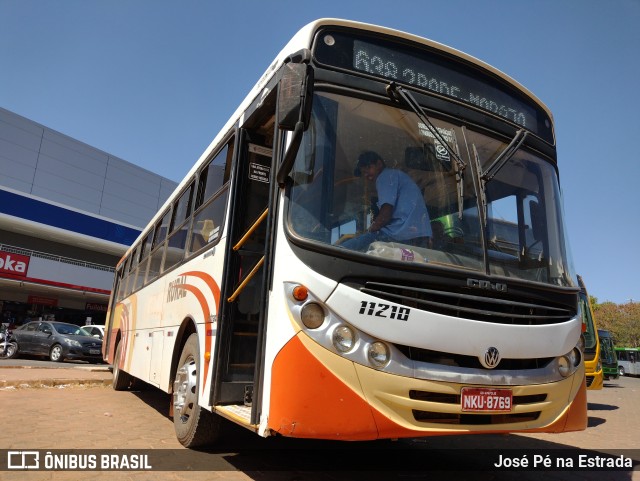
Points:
[(294, 95)]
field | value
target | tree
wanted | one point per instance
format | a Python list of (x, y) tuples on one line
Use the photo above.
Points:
[(622, 320)]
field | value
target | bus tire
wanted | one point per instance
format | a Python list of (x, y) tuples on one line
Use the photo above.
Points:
[(621, 371), (121, 380), (194, 425)]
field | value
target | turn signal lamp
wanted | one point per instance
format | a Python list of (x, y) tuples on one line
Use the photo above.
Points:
[(300, 293)]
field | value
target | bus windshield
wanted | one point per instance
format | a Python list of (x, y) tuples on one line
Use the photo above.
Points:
[(358, 158)]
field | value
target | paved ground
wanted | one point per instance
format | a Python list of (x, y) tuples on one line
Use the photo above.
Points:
[(74, 408)]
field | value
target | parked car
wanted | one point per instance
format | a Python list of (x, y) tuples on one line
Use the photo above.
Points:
[(95, 330), (57, 341)]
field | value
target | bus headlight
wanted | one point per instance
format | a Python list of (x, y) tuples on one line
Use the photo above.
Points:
[(564, 366), (574, 357), (378, 354), (344, 338), (568, 363), (312, 315)]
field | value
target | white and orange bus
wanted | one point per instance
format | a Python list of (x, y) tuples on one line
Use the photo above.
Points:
[(246, 297)]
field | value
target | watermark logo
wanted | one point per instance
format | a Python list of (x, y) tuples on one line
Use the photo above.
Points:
[(23, 460)]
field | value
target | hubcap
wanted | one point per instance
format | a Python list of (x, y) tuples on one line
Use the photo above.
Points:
[(185, 396), (55, 353), (7, 350)]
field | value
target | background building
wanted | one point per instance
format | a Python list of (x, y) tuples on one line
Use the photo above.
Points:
[(68, 212)]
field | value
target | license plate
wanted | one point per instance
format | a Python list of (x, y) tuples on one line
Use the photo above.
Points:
[(94, 351), (480, 399)]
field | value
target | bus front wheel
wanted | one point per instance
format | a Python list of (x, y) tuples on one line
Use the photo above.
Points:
[(621, 370), (194, 425)]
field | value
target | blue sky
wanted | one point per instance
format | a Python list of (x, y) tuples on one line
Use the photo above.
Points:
[(152, 82)]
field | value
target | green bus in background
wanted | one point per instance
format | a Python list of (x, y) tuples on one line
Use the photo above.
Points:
[(608, 355)]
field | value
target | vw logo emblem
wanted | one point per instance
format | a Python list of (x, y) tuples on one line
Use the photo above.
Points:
[(491, 358)]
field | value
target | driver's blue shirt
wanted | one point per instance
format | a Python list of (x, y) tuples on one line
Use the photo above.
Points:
[(410, 218)]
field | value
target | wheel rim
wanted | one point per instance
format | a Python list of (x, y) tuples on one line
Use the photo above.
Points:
[(185, 395), (8, 351), (56, 352)]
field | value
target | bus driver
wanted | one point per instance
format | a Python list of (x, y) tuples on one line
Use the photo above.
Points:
[(402, 215)]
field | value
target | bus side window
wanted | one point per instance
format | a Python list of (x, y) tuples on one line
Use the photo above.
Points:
[(179, 229), (126, 278), (120, 284), (144, 260), (155, 264), (133, 270), (207, 225), (211, 200)]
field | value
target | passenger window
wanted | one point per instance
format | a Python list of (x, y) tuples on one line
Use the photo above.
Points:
[(155, 263), (159, 236), (175, 247), (179, 230), (45, 328), (141, 273), (146, 246), (121, 284), (214, 175), (207, 225), (211, 200), (182, 209), (162, 229)]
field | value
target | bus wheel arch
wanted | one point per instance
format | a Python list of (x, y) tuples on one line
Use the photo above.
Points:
[(194, 425), (187, 328), (121, 380)]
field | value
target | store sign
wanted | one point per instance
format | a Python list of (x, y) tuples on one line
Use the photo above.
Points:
[(14, 264), (92, 306), (42, 301)]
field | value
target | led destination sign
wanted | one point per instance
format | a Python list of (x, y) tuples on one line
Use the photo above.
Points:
[(430, 71)]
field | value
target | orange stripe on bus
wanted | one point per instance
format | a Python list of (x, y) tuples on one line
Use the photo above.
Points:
[(204, 305), (210, 281), (309, 401)]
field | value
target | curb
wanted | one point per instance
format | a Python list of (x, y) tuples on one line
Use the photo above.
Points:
[(40, 383)]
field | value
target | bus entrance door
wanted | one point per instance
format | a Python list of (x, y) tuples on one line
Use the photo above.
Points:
[(244, 295)]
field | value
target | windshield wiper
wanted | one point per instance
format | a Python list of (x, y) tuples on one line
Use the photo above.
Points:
[(394, 90), (494, 168), (504, 156), (415, 106)]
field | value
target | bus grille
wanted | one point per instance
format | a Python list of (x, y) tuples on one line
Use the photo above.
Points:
[(471, 362), (474, 419), (475, 307)]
